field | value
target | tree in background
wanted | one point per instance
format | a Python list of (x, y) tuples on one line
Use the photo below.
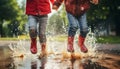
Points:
[(23, 20), (107, 12), (114, 6), (11, 18)]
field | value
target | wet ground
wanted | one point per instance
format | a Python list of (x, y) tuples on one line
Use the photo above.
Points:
[(16, 55)]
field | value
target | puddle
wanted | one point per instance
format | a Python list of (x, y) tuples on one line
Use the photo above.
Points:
[(63, 60), (18, 56)]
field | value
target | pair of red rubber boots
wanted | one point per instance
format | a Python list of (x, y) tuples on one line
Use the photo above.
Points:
[(80, 44)]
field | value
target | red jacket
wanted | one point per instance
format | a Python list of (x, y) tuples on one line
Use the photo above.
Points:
[(38, 7), (75, 7)]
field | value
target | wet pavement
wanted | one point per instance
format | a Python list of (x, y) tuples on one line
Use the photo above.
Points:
[(16, 55)]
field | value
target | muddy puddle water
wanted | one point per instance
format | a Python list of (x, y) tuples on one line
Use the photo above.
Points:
[(56, 60)]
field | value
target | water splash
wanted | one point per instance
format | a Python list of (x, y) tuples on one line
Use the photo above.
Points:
[(22, 48), (18, 49), (91, 44)]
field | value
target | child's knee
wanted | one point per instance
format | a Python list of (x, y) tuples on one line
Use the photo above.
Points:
[(42, 38), (84, 32), (33, 32), (73, 28)]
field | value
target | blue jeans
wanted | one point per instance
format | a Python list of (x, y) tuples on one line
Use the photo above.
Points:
[(76, 23), (37, 26)]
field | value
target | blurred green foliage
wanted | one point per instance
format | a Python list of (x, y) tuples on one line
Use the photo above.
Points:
[(12, 18), (109, 39)]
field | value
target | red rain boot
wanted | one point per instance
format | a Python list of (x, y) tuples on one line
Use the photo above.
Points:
[(70, 44), (81, 44), (33, 47)]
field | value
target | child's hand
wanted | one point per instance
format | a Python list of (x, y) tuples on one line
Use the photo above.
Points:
[(94, 1), (55, 7)]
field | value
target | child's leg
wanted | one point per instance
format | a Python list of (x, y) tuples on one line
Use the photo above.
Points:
[(42, 32), (73, 26), (33, 32), (83, 32), (83, 25)]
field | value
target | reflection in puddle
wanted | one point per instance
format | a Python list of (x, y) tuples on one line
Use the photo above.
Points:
[(43, 61), (34, 65)]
